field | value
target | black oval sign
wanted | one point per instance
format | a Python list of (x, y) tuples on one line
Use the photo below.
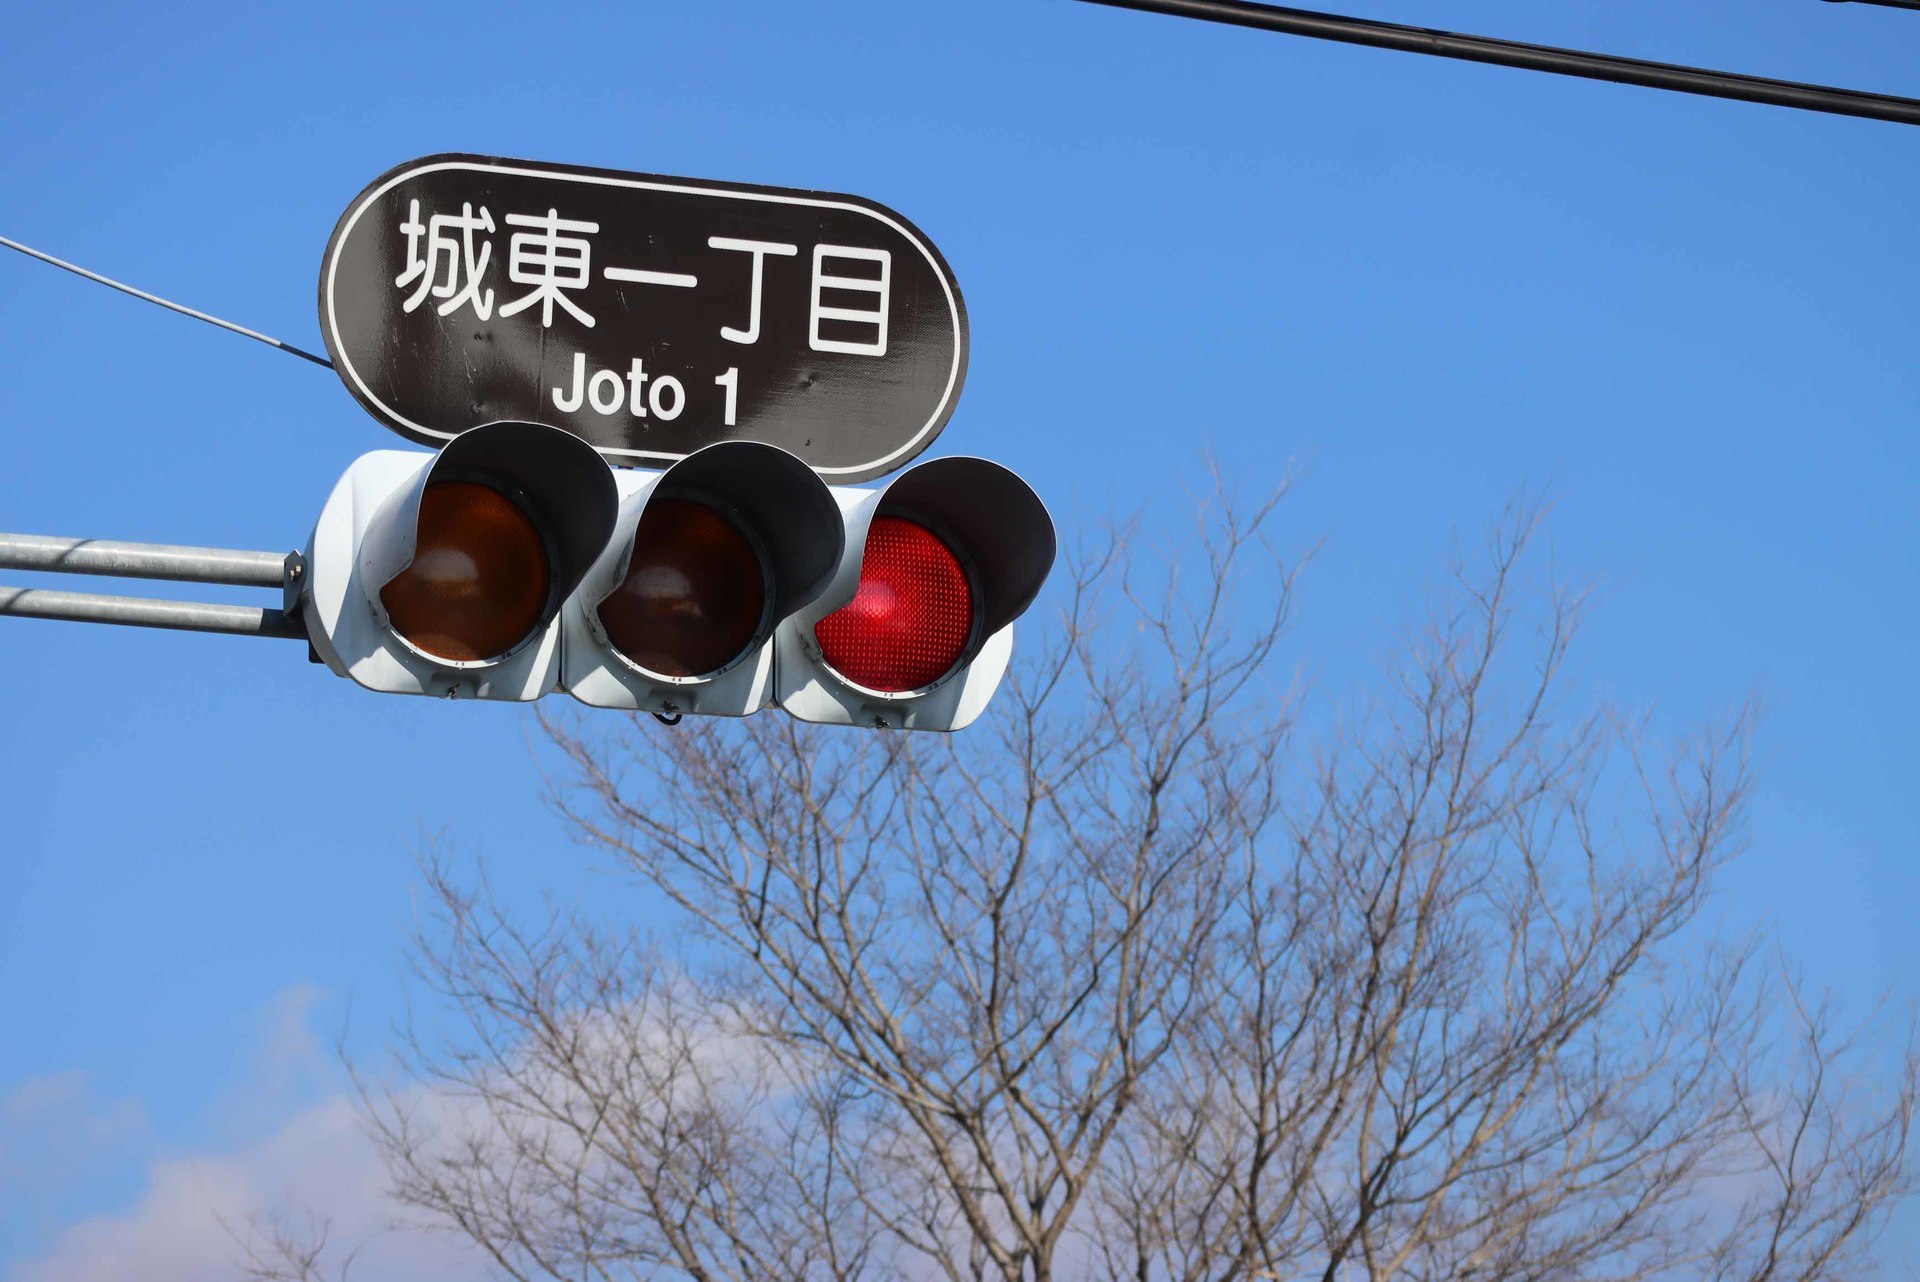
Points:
[(648, 315)]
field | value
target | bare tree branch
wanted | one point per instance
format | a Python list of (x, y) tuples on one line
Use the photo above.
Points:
[(1123, 983)]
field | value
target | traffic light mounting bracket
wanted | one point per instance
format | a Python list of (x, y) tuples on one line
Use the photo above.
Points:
[(231, 567)]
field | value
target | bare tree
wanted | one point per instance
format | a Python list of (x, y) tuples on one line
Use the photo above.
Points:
[(1135, 981)]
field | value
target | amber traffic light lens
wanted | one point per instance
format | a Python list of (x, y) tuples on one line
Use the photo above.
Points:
[(478, 583), (911, 618), (694, 595)]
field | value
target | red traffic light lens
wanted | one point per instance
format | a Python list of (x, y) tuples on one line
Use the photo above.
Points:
[(694, 595), (911, 618), (478, 583)]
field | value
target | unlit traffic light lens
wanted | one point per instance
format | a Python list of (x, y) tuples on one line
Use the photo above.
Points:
[(694, 596), (910, 620), (478, 583)]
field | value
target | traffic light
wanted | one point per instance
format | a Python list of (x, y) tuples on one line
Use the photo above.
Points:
[(515, 562), (706, 560), (916, 630), (444, 574)]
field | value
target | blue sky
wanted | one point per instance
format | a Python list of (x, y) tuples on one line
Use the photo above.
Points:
[(1427, 283)]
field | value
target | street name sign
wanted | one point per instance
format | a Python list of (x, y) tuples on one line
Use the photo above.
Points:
[(649, 316)]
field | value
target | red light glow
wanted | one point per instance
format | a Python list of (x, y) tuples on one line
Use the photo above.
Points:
[(910, 620)]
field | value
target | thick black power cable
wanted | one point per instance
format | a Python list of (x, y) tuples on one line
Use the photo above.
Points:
[(1563, 62), (1378, 35), (170, 305)]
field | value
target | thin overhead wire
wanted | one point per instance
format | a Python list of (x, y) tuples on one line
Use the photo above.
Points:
[(1563, 62), (170, 305)]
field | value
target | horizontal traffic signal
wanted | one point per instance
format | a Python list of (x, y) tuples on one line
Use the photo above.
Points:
[(515, 562)]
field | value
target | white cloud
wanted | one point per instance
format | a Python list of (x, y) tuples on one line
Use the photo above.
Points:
[(37, 1094), (54, 1128), (183, 1228), (314, 1159), (287, 1043)]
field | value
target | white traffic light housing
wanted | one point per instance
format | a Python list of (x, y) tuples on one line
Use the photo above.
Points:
[(705, 561), (515, 562), (444, 574), (916, 629)]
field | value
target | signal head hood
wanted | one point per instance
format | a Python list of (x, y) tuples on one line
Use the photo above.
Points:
[(564, 484), (789, 510), (996, 517)]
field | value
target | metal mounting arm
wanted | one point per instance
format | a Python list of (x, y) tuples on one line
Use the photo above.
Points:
[(227, 566)]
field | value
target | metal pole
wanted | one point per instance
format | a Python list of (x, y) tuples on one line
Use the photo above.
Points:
[(1563, 62), (142, 560), (187, 616)]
